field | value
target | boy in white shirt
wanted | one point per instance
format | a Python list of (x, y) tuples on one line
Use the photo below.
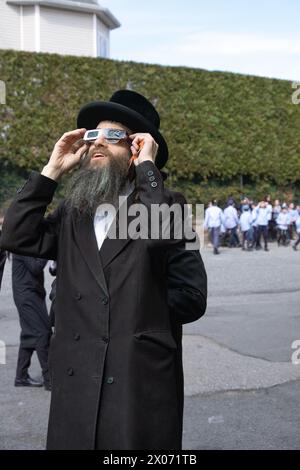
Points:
[(245, 224), (283, 221), (297, 223)]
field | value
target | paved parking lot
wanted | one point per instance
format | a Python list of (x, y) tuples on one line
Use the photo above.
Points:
[(241, 387)]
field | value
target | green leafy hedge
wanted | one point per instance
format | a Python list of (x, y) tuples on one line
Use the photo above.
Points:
[(219, 126)]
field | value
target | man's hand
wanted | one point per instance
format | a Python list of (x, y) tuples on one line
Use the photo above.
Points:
[(66, 154), (148, 150)]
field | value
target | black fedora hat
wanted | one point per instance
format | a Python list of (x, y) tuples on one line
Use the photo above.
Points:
[(130, 109)]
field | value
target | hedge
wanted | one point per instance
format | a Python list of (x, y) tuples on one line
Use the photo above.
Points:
[(220, 127)]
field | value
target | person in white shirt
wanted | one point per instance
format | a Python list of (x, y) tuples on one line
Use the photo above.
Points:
[(254, 224), (272, 224), (297, 223), (231, 223), (262, 221), (283, 222), (293, 213), (213, 221), (276, 209), (245, 224), (270, 211)]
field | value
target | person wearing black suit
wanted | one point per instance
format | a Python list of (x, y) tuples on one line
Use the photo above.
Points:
[(116, 355), (29, 296)]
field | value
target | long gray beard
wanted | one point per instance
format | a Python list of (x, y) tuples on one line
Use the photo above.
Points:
[(88, 188)]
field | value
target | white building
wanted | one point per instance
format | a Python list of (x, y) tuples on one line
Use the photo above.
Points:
[(60, 26)]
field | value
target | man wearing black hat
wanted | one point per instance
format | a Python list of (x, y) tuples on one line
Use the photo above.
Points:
[(116, 355)]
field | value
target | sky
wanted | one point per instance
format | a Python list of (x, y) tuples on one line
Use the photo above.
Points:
[(257, 37)]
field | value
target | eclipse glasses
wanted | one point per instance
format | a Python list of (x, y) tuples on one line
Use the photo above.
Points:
[(111, 136)]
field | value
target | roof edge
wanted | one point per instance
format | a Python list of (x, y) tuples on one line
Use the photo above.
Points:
[(104, 14)]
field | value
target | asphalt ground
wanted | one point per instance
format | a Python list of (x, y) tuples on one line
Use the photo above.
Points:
[(242, 390)]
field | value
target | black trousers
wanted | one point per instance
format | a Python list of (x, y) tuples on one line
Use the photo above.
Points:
[(282, 237), (234, 238), (24, 359), (246, 238), (262, 230), (298, 241)]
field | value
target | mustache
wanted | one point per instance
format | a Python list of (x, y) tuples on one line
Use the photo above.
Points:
[(88, 187), (105, 153), (89, 154)]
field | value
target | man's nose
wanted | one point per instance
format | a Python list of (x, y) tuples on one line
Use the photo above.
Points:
[(100, 141)]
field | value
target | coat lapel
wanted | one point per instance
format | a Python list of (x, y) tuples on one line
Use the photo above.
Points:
[(86, 240), (112, 247)]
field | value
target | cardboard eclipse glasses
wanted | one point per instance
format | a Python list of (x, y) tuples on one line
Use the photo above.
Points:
[(111, 136)]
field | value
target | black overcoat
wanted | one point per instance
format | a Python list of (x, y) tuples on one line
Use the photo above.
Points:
[(116, 355), (29, 296)]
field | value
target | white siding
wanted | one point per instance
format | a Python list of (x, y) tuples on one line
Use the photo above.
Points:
[(29, 28), (9, 26), (103, 37), (66, 32), (60, 31)]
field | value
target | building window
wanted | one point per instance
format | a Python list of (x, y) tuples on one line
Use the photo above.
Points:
[(102, 45)]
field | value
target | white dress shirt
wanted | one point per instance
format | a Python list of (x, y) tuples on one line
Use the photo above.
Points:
[(231, 217), (262, 215), (213, 217), (283, 220), (103, 218), (298, 224), (246, 221)]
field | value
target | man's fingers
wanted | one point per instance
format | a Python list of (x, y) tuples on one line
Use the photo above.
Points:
[(140, 134), (75, 132), (81, 150), (72, 136), (77, 145)]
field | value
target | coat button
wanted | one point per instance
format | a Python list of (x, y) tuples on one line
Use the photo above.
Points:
[(105, 339), (154, 184), (152, 178), (150, 173), (105, 300), (76, 336), (78, 296), (110, 380), (70, 371)]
